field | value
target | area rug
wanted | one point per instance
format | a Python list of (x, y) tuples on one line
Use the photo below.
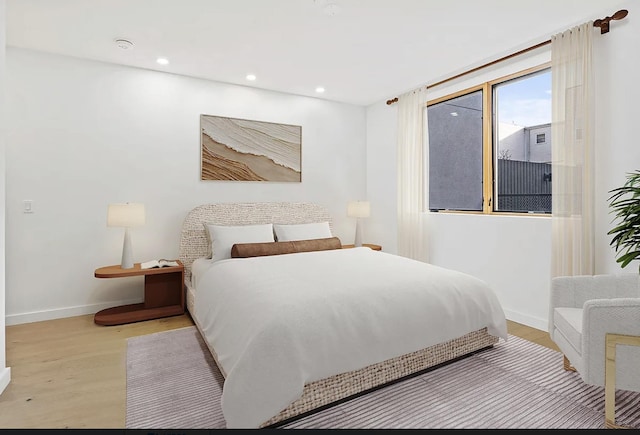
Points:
[(173, 383)]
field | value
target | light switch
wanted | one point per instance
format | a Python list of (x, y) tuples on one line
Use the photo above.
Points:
[(27, 206)]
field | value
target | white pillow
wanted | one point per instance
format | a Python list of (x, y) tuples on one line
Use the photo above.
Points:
[(288, 233), (223, 237)]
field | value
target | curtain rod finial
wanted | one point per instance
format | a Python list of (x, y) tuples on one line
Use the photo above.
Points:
[(393, 100), (604, 22)]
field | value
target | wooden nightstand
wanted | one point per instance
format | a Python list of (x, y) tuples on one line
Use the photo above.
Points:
[(163, 294), (368, 245)]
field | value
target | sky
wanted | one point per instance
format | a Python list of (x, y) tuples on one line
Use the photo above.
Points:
[(525, 101)]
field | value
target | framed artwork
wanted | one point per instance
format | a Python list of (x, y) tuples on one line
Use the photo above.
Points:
[(243, 150)]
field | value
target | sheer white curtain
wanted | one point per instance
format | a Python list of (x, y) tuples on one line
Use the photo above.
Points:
[(411, 174), (572, 153)]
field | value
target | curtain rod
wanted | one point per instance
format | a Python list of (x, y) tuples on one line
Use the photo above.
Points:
[(603, 23)]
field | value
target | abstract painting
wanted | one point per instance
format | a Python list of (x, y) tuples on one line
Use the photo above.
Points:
[(244, 150)]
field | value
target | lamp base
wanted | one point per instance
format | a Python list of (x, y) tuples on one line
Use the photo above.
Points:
[(127, 255), (358, 240)]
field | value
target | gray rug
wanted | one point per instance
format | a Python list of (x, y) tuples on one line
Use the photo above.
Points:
[(173, 383)]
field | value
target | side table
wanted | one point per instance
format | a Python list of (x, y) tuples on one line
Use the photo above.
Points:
[(163, 294), (611, 340)]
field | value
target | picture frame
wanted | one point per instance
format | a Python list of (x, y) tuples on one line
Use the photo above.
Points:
[(234, 149)]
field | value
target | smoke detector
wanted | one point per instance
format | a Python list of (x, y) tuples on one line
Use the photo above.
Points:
[(328, 7), (124, 44), (331, 9)]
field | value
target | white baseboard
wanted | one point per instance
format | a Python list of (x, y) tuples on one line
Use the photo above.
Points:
[(5, 378), (58, 313), (525, 319)]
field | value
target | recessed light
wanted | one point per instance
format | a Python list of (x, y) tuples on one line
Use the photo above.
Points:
[(124, 44), (319, 89), (454, 113), (162, 61), (251, 77)]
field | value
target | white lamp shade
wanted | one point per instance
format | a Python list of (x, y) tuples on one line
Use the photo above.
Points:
[(359, 209), (125, 215)]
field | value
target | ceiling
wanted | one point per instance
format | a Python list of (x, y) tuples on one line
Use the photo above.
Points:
[(361, 51)]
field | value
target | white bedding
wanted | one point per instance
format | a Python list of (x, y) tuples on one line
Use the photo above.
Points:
[(279, 322)]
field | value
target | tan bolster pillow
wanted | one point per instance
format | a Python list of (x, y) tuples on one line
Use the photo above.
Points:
[(245, 250)]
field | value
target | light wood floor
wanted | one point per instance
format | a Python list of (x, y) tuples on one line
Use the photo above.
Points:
[(70, 373)]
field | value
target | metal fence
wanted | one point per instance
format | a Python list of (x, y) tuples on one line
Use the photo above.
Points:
[(524, 186)]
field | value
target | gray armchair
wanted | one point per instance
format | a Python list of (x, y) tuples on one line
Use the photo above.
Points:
[(585, 312)]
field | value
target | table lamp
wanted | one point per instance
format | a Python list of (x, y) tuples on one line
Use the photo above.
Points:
[(126, 215), (358, 210)]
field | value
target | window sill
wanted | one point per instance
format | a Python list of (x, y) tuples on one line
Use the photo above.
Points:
[(495, 213)]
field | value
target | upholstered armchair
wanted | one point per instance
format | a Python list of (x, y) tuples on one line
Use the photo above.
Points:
[(588, 316)]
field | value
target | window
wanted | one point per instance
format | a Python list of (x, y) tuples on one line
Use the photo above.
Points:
[(455, 153), (490, 146)]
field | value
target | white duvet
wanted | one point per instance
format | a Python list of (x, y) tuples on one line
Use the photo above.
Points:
[(279, 322)]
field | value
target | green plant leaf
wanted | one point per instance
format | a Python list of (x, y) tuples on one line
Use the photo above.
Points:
[(625, 259), (624, 203)]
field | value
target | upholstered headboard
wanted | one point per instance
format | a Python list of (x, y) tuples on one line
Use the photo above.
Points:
[(194, 242)]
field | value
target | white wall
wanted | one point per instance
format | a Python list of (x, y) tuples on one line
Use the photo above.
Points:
[(382, 225), (5, 372), (512, 254), (617, 149), (84, 134)]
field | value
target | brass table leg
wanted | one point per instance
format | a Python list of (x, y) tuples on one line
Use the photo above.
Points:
[(611, 341), (567, 365)]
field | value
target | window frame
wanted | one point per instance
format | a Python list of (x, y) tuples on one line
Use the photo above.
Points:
[(489, 163)]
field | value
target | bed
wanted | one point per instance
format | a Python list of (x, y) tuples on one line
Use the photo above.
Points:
[(296, 332)]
